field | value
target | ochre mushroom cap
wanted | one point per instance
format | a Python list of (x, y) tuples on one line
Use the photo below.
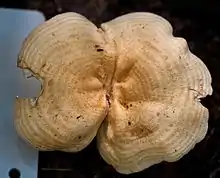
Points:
[(130, 82), (62, 54)]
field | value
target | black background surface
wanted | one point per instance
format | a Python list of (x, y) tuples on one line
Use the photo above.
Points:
[(198, 21)]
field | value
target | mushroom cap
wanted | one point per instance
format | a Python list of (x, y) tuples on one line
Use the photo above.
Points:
[(130, 81), (62, 54)]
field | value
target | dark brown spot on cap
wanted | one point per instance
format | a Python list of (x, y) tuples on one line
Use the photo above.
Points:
[(98, 48), (78, 117), (43, 65), (50, 82)]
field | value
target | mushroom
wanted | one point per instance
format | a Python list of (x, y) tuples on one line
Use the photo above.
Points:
[(130, 82)]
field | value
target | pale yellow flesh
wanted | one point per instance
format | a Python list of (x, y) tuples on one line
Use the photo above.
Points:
[(130, 82)]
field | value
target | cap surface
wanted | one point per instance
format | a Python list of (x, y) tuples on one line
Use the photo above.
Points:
[(130, 81)]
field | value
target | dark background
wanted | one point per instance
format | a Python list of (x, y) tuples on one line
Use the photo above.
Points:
[(198, 21)]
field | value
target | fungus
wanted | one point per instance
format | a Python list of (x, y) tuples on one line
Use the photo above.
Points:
[(130, 82)]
